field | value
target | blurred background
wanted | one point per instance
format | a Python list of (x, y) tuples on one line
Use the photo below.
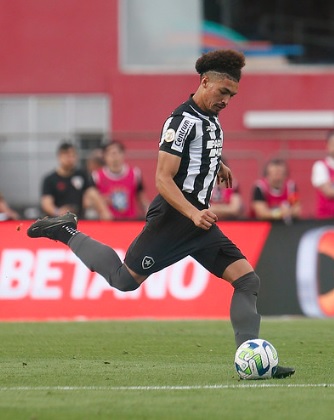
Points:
[(101, 69)]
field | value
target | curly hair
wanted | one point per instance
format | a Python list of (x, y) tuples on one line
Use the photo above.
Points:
[(229, 62)]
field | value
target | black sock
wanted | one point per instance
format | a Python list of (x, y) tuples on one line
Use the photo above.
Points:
[(104, 260), (244, 317), (64, 234)]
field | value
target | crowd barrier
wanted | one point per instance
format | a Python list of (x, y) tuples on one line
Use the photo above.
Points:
[(43, 280)]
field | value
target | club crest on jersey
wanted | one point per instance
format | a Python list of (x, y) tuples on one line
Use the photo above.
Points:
[(147, 262), (169, 135), (77, 182)]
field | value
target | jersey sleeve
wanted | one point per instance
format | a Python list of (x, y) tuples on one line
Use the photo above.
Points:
[(320, 174), (47, 186), (87, 180), (175, 134), (258, 194), (139, 179)]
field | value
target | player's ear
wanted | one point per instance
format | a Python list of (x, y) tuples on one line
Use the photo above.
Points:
[(204, 80)]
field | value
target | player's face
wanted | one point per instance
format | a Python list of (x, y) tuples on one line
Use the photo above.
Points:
[(216, 93)]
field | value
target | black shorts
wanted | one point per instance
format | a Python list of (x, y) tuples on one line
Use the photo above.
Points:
[(168, 236)]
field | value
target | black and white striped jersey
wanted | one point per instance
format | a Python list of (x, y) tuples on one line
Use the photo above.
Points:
[(198, 139)]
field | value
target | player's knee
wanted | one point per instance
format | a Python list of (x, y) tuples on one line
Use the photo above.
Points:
[(249, 283), (124, 281)]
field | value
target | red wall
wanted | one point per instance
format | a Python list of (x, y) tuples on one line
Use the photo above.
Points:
[(71, 46)]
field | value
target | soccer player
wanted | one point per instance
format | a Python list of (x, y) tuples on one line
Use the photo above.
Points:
[(179, 221)]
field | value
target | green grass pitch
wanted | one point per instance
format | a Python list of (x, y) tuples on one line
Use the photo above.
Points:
[(160, 370)]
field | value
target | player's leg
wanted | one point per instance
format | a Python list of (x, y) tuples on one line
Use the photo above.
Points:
[(104, 260), (243, 311), (148, 253), (95, 255), (222, 258)]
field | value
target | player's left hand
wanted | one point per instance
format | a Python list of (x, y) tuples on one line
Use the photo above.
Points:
[(225, 175)]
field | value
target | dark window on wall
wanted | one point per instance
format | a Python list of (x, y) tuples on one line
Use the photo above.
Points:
[(282, 22)]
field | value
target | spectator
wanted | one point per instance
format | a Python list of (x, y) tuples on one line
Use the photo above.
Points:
[(94, 160), (275, 196), (120, 184), (7, 213), (225, 202), (66, 188), (323, 181)]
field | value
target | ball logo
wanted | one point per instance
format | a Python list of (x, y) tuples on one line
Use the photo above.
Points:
[(169, 135)]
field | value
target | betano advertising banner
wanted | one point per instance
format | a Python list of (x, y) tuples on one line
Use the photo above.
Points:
[(43, 280)]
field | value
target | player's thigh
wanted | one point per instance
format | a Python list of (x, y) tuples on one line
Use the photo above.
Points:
[(217, 252), (160, 244), (236, 270)]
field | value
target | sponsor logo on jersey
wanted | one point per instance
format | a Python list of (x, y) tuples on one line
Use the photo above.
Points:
[(215, 146), (147, 262), (181, 135), (211, 128)]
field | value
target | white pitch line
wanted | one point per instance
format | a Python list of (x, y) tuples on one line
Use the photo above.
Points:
[(160, 388)]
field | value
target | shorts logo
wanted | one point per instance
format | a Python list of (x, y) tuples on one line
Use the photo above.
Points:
[(169, 135), (147, 262)]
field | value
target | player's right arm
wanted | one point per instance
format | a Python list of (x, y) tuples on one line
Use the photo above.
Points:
[(167, 167)]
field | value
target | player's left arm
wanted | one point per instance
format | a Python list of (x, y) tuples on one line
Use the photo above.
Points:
[(225, 175)]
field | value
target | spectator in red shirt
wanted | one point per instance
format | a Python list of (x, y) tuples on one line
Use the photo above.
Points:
[(275, 196), (323, 181)]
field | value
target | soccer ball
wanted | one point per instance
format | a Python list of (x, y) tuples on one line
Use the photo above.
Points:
[(256, 359)]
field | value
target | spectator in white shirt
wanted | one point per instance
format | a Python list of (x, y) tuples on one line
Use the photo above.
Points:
[(323, 181)]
